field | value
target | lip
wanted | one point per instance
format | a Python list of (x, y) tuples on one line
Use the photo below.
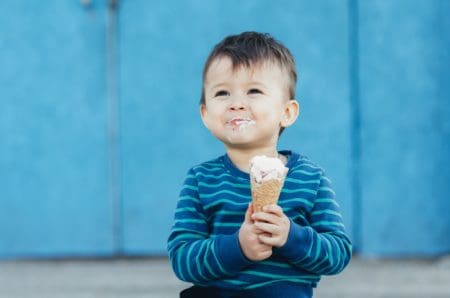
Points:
[(236, 121), (240, 123)]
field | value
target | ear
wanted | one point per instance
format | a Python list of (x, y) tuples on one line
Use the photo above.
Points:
[(204, 114), (290, 113)]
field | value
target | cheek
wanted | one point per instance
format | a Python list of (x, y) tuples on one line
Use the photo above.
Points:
[(272, 113), (214, 118)]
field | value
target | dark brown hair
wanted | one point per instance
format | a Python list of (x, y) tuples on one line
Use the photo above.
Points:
[(249, 48)]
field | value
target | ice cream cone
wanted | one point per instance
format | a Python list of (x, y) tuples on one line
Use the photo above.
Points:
[(265, 193)]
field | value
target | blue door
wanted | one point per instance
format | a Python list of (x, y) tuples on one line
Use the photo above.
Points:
[(54, 168), (405, 127)]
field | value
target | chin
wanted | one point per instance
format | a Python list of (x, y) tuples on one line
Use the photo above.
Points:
[(237, 141)]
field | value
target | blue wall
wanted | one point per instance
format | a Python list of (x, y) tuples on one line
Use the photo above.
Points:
[(404, 54), (99, 117)]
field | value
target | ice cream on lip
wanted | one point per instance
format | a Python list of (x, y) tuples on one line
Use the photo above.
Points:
[(241, 122)]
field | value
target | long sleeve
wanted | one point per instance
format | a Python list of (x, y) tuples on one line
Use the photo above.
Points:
[(195, 255), (323, 247)]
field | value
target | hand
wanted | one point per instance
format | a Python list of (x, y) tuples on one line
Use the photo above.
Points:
[(275, 225), (251, 246)]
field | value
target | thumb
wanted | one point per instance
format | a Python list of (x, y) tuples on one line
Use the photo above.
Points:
[(248, 213)]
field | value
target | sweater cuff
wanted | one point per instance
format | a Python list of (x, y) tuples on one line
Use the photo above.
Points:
[(297, 244), (230, 254)]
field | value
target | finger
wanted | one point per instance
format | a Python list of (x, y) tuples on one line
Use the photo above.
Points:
[(248, 214), (267, 240), (264, 254), (266, 217), (256, 230), (274, 209), (264, 246), (267, 228)]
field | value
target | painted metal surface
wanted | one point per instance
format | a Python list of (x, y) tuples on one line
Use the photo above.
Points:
[(163, 46), (53, 137), (99, 117), (405, 134)]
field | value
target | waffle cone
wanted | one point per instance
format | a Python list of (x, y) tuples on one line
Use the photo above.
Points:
[(265, 193)]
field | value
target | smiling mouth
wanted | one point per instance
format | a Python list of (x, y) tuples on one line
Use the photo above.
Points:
[(240, 123)]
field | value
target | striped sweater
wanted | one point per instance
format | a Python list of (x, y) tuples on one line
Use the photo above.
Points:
[(204, 247)]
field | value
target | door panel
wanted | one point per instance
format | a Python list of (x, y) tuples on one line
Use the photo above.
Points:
[(405, 71), (163, 45), (53, 144)]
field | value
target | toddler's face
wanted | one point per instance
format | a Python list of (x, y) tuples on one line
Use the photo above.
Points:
[(246, 107)]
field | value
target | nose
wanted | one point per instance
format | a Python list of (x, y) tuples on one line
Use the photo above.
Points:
[(237, 104)]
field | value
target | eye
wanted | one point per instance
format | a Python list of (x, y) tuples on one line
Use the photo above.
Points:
[(221, 93), (254, 91)]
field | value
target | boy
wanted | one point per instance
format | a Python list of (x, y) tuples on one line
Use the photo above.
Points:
[(217, 242)]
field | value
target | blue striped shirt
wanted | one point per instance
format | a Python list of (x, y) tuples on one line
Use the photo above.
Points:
[(204, 247)]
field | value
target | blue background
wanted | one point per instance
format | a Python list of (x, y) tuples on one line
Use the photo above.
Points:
[(99, 117)]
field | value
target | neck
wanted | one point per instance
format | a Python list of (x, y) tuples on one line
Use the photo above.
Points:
[(241, 157)]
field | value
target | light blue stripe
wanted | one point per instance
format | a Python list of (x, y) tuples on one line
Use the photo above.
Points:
[(235, 282), (317, 252), (329, 250), (285, 190), (244, 186), (326, 200), (296, 280), (215, 176), (188, 198), (208, 267), (314, 268), (227, 224), (199, 267), (340, 248), (307, 164), (299, 200), (275, 264), (327, 223), (209, 169), (275, 276), (188, 258), (207, 196), (207, 206), (327, 179), (326, 188), (312, 167), (187, 230), (228, 212), (213, 164), (304, 173), (299, 216), (217, 260), (178, 257), (187, 237), (199, 221), (190, 187), (186, 209), (190, 209), (225, 213), (300, 181), (328, 211)]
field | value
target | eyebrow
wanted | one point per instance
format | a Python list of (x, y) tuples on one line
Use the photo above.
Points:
[(216, 86), (256, 83)]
